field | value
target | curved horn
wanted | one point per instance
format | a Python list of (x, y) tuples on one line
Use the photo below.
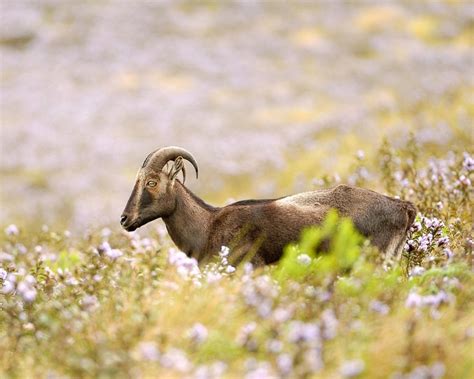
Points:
[(160, 157)]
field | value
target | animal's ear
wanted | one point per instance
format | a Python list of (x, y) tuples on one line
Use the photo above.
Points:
[(178, 165)]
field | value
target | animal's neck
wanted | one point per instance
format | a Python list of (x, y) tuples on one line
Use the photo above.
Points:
[(188, 226)]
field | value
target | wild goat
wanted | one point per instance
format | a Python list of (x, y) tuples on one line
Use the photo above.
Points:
[(263, 227)]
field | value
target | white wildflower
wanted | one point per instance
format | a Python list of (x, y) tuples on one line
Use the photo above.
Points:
[(300, 331), (90, 302), (379, 307), (449, 253), (281, 314), (198, 333), (5, 257), (186, 267), (71, 281), (29, 295), (303, 259), (224, 251), (26, 289), (12, 277), (30, 280), (417, 271), (413, 300), (465, 181), (437, 299), (310, 291), (284, 363), (213, 277), (197, 283), (21, 248), (245, 332), (3, 273), (113, 253), (8, 287), (274, 346), (213, 371), (104, 247), (264, 307), (12, 230), (435, 371), (329, 324), (202, 372), (248, 268), (350, 369), (230, 269), (262, 370), (149, 351), (468, 162), (176, 359)]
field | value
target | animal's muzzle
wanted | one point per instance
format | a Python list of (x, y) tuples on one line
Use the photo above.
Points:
[(123, 219), (128, 223)]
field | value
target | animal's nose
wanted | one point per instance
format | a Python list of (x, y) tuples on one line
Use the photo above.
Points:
[(123, 219)]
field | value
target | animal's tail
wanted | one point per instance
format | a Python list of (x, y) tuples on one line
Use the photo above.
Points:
[(411, 213)]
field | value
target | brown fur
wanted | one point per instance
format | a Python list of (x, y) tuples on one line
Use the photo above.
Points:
[(264, 226)]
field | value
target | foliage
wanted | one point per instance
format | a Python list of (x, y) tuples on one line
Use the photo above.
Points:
[(303, 259), (110, 304)]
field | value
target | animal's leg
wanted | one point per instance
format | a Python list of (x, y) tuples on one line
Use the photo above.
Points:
[(396, 246)]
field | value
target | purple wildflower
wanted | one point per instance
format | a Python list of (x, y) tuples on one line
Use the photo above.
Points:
[(198, 333)]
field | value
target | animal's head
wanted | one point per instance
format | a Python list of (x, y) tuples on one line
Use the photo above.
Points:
[(154, 194)]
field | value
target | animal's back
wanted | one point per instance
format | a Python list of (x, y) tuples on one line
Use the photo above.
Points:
[(273, 223), (383, 219)]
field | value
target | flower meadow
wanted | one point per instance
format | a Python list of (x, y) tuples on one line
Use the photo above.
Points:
[(115, 304), (272, 98)]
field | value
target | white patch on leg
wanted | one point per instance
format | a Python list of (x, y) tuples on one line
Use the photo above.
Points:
[(394, 248)]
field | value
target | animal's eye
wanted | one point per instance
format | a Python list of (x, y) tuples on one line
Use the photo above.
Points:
[(151, 183)]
